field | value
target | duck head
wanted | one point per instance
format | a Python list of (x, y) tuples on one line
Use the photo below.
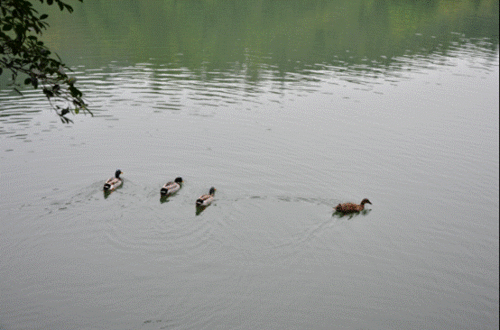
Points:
[(365, 201), (178, 180), (212, 191), (117, 174)]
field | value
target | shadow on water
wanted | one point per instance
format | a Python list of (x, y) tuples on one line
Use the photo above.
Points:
[(106, 193), (200, 209), (349, 216), (166, 198)]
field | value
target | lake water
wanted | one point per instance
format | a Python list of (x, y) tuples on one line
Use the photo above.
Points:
[(287, 108)]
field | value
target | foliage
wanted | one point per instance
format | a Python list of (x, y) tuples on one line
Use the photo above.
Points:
[(21, 52)]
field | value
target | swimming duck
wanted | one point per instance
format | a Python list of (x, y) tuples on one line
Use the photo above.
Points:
[(205, 200), (171, 187), (113, 183), (351, 207)]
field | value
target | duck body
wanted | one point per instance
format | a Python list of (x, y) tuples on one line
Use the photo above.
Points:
[(171, 187), (205, 200), (351, 207), (113, 183)]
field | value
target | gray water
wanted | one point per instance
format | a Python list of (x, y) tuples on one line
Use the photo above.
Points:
[(284, 133)]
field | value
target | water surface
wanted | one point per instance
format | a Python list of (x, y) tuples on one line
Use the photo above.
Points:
[(288, 110)]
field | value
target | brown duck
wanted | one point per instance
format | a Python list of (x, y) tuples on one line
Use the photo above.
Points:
[(351, 207)]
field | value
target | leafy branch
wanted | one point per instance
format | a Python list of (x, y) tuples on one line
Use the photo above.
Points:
[(22, 53)]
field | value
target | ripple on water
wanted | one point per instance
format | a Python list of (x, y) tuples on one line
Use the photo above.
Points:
[(132, 219)]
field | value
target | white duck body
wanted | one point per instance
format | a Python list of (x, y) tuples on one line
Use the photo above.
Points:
[(171, 187), (113, 183), (205, 200)]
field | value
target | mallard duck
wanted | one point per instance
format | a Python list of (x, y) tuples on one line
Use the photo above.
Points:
[(171, 187), (113, 183), (205, 200), (351, 207)]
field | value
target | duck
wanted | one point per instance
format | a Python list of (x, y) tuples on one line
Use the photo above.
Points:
[(205, 200), (171, 187), (351, 207), (113, 183)]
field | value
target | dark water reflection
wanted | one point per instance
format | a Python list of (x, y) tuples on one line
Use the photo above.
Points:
[(221, 53), (349, 216), (287, 37), (167, 87)]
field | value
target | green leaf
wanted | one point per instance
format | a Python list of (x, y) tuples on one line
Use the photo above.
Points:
[(48, 93), (74, 92)]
